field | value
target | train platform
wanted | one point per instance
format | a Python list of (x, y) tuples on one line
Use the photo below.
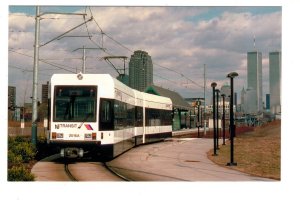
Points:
[(175, 159)]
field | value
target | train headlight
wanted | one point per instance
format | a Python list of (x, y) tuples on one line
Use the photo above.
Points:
[(53, 135), (94, 136)]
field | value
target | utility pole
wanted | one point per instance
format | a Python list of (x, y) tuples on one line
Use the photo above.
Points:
[(84, 58), (36, 66), (35, 77), (84, 55), (204, 100)]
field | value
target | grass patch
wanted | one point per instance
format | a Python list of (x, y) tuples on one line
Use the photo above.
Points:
[(256, 152)]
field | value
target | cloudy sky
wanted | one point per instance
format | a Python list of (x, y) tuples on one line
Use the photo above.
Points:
[(180, 40)]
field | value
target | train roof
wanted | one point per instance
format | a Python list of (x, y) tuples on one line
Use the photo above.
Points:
[(100, 79)]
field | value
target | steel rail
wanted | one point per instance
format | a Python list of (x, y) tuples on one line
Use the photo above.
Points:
[(69, 174)]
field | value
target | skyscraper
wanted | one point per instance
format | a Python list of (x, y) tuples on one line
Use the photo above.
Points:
[(275, 81), (45, 93), (267, 101), (254, 78), (225, 89), (140, 70), (11, 97)]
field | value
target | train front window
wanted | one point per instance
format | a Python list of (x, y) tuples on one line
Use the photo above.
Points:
[(75, 103)]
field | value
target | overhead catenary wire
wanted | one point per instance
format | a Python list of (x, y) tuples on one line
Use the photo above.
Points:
[(130, 50), (101, 45), (47, 62), (28, 71)]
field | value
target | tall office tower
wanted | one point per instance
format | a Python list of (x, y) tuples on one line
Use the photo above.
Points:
[(11, 97), (235, 99), (275, 81), (243, 96), (140, 70), (45, 93), (267, 101), (254, 78), (225, 89)]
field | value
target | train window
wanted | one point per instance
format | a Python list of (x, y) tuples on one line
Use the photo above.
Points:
[(130, 115), (106, 114), (120, 114), (75, 103), (153, 117), (139, 116), (158, 117)]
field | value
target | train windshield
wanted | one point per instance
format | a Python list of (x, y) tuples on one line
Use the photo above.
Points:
[(75, 103)]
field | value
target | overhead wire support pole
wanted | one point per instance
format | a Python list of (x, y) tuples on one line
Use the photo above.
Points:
[(106, 58), (35, 78), (35, 68), (84, 57), (204, 88)]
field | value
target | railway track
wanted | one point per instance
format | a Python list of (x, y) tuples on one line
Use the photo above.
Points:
[(69, 174), (54, 168)]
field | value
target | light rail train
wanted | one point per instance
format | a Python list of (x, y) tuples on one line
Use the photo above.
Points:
[(95, 113)]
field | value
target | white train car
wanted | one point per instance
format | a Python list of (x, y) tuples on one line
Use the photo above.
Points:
[(95, 113)]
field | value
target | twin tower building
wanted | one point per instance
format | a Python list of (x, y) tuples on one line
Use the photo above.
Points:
[(141, 76), (252, 97)]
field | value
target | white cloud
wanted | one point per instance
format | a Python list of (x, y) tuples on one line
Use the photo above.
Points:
[(175, 37)]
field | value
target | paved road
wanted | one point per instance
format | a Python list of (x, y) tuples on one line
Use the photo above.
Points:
[(175, 160)]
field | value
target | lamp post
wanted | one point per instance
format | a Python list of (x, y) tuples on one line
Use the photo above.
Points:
[(223, 118), (217, 138), (198, 121), (213, 85), (232, 127)]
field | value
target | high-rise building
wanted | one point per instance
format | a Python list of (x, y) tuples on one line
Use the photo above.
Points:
[(225, 89), (140, 70), (243, 99), (11, 102), (267, 101), (45, 93), (275, 81), (254, 79), (250, 105), (11, 97), (235, 99)]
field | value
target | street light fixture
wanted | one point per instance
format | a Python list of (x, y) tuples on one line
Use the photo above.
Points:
[(217, 138), (223, 118), (232, 127), (213, 85), (198, 121)]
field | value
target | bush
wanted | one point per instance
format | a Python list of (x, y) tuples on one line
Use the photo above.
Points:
[(20, 153), (25, 150), (19, 173), (13, 159)]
